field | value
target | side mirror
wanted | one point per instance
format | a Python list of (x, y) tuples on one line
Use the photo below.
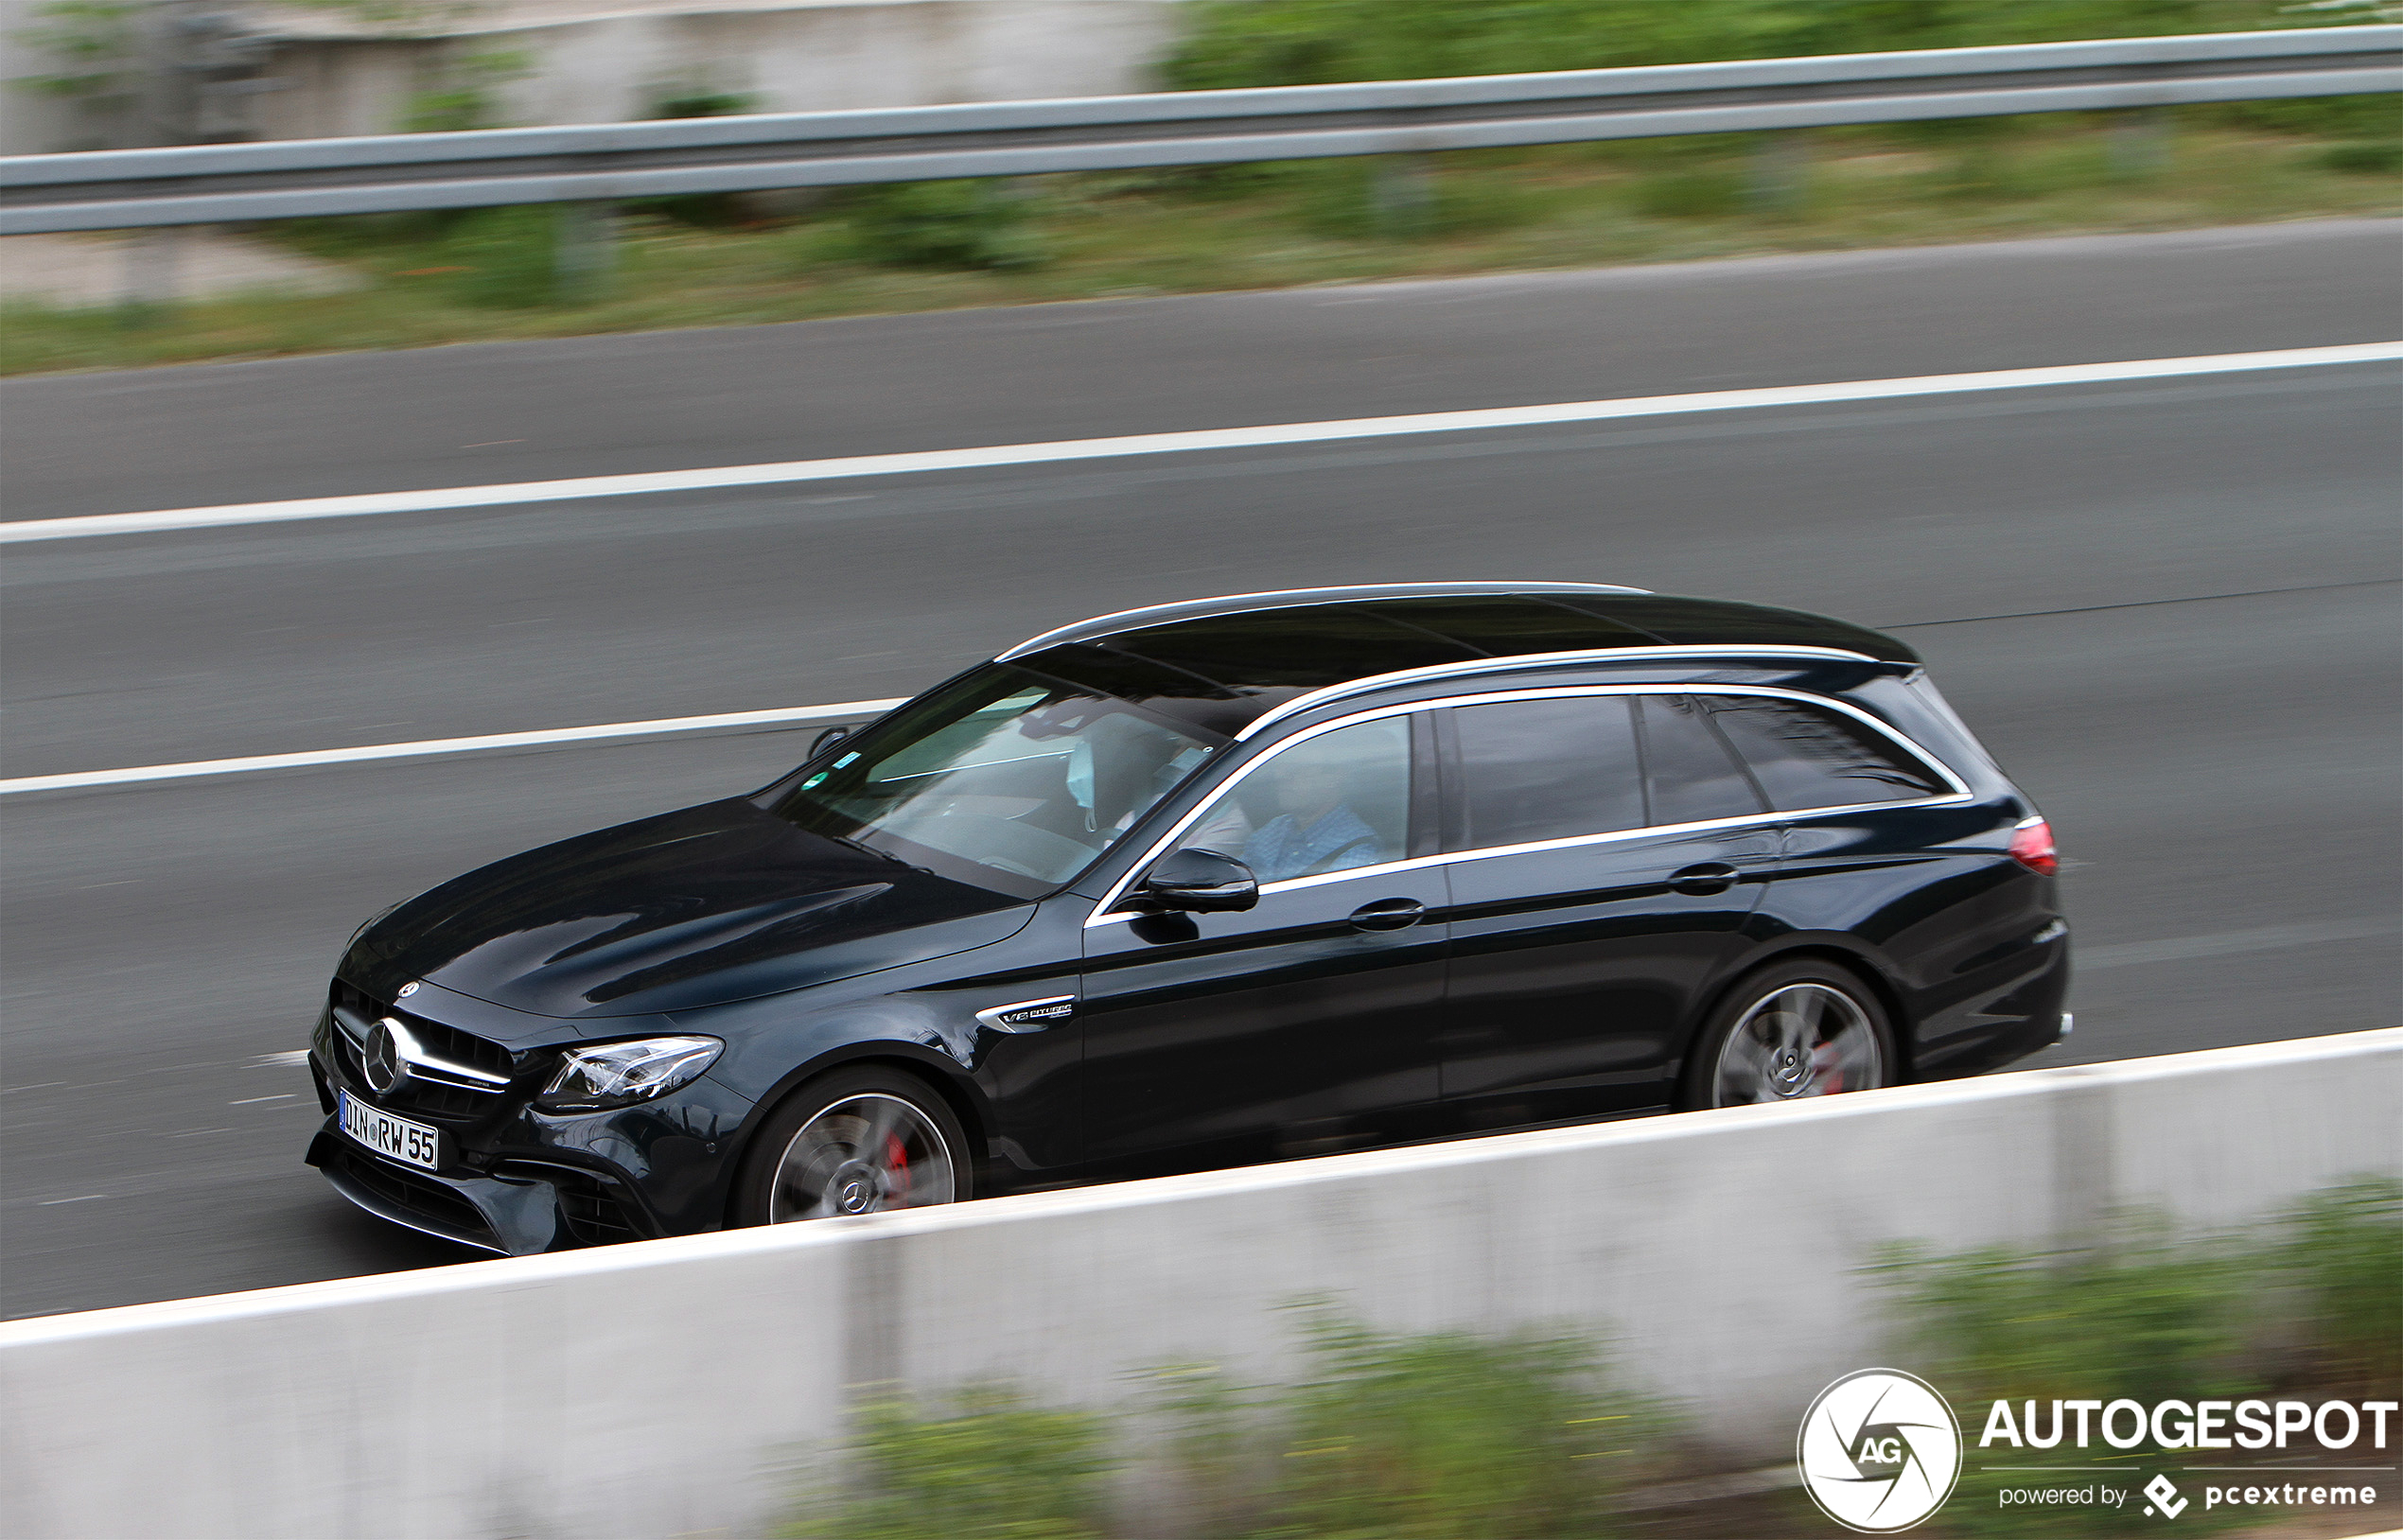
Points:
[(833, 735), (1200, 881)]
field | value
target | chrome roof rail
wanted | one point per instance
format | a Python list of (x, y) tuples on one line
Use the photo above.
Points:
[(1489, 665)]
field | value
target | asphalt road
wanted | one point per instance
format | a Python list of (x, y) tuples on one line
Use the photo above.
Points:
[(2169, 607)]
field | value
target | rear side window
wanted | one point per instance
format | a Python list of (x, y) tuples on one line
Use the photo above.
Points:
[(1693, 776), (1547, 769), (1808, 756)]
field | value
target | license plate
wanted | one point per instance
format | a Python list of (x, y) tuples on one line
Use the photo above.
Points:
[(414, 1143)]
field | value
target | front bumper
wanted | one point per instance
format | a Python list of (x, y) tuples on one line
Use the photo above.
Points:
[(520, 1209), (514, 1181)]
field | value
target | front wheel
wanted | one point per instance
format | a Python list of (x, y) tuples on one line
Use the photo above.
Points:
[(864, 1141), (1791, 1031)]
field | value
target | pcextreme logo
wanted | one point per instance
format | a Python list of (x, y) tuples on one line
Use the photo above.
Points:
[(1879, 1450)]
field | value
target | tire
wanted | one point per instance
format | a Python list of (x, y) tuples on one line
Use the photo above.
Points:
[(857, 1141), (1753, 1049)]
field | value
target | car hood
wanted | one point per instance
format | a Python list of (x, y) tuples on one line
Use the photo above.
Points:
[(695, 908)]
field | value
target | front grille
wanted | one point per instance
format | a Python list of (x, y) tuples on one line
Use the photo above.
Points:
[(459, 1047), (453, 1103), (416, 1195)]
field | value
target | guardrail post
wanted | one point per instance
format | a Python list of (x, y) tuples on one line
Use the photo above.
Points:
[(1402, 194), (2139, 142), (1780, 166), (151, 258), (585, 250)]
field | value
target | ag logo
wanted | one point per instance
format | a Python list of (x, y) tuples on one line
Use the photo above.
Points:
[(1879, 1450)]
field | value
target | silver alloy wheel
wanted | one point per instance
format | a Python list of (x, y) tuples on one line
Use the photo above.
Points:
[(1800, 1039), (865, 1154)]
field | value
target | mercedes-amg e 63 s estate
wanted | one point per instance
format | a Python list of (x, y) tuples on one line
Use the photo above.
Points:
[(1210, 883)]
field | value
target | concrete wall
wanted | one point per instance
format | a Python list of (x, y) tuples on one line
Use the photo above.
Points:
[(612, 61), (668, 1388)]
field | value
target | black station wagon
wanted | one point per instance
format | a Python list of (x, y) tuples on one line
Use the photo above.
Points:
[(1209, 883)]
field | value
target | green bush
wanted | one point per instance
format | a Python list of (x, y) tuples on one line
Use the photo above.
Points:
[(1248, 42), (943, 224), (1696, 193), (2374, 157), (1428, 1437), (509, 258), (995, 1468), (2151, 1317), (706, 211), (2145, 1319), (2346, 1255), (1433, 1437)]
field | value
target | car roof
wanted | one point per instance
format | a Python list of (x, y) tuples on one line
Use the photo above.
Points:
[(1255, 652)]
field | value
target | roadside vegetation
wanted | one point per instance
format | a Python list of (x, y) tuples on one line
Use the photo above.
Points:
[(1427, 1437), (744, 259)]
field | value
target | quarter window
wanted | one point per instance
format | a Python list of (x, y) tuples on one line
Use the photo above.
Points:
[(1692, 777), (1807, 756), (1329, 803), (1547, 769)]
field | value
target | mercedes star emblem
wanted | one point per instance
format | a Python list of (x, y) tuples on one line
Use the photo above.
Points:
[(406, 990), (383, 1061)]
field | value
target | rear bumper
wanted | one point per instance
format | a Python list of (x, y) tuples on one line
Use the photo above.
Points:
[(523, 1208)]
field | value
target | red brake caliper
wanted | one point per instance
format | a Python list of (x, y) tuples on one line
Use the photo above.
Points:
[(897, 1160)]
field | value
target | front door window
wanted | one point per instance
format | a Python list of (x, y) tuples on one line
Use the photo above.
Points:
[(1331, 803)]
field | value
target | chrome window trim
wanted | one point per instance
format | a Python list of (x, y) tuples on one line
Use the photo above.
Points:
[(1392, 590), (1486, 665), (1961, 795)]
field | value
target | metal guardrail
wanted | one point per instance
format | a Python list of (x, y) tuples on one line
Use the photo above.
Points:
[(287, 179)]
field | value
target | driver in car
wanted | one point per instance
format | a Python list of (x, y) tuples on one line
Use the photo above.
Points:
[(1315, 830)]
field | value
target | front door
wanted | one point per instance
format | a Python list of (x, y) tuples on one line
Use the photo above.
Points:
[(1610, 899), (1301, 1025)]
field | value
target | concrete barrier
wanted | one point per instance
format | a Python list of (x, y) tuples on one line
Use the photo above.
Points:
[(670, 1389)]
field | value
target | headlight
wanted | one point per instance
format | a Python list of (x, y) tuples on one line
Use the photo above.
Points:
[(621, 1074)]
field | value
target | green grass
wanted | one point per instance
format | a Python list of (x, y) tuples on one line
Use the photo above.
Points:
[(1430, 1436), (991, 1467), (2311, 1306), (435, 280)]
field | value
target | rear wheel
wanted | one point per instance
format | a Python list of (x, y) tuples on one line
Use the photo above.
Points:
[(862, 1141), (1792, 1031)]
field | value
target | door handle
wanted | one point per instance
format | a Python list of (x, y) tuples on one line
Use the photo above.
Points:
[(1389, 915), (1709, 877)]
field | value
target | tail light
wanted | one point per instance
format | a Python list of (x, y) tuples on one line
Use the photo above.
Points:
[(2031, 846)]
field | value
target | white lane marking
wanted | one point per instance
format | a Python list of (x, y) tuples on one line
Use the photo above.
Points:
[(53, 1202), (440, 499), (247, 1101), (289, 1059), (2191, 948), (793, 716)]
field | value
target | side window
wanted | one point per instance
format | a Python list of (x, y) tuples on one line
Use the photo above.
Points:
[(1692, 776), (1547, 769), (1329, 803), (1809, 757)]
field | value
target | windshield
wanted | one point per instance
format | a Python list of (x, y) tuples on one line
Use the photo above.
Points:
[(1005, 779)]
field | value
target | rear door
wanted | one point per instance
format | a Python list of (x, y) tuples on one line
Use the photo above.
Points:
[(1305, 1024), (1607, 850)]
